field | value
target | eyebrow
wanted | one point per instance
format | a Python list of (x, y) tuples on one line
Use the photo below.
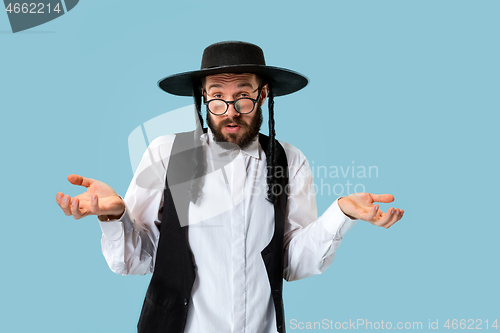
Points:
[(241, 85)]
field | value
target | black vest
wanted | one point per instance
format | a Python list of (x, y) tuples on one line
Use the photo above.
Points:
[(167, 299)]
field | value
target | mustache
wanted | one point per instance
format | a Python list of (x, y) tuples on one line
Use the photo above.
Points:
[(236, 121)]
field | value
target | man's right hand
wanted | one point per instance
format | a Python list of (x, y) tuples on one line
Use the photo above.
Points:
[(99, 199)]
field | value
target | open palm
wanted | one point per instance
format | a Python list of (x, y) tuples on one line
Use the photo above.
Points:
[(361, 206), (99, 199)]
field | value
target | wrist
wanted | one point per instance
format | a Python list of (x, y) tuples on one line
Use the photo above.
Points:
[(343, 211), (106, 218)]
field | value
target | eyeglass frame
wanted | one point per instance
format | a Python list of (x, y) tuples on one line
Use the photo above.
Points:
[(232, 102)]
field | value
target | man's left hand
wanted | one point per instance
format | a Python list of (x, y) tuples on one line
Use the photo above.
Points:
[(361, 206)]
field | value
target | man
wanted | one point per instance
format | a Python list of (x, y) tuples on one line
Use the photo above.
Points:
[(221, 216)]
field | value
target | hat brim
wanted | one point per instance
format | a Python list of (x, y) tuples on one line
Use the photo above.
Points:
[(283, 81)]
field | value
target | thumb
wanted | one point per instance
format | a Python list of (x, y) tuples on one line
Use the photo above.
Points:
[(80, 180), (382, 197)]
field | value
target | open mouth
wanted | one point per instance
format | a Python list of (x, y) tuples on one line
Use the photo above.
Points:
[(232, 128)]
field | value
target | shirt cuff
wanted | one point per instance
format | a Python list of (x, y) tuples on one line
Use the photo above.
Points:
[(336, 222), (114, 229)]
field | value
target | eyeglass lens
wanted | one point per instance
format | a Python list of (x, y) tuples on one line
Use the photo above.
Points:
[(242, 105)]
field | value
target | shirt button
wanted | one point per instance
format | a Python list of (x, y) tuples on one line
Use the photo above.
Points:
[(185, 301)]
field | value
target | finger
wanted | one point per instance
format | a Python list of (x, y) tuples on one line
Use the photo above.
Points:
[(75, 209), (382, 197), (386, 218), (59, 197), (395, 218), (387, 226), (94, 205), (401, 212), (80, 180), (372, 214), (65, 205)]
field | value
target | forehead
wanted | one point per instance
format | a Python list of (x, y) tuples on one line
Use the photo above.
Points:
[(231, 80)]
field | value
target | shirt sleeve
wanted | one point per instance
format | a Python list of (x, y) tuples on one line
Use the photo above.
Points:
[(129, 243), (310, 242)]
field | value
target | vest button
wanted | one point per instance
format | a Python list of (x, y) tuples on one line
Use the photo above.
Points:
[(185, 301)]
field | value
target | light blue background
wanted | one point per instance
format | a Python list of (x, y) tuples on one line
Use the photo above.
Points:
[(411, 87)]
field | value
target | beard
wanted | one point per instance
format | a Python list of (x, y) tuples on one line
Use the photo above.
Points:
[(249, 131)]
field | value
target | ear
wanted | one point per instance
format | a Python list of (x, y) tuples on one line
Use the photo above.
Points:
[(203, 93), (202, 87), (264, 93)]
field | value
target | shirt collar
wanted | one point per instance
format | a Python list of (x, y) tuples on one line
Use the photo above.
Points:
[(253, 150)]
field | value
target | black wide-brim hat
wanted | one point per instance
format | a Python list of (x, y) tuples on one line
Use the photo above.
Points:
[(234, 57)]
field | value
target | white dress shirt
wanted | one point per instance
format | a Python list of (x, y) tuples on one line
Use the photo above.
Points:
[(229, 227)]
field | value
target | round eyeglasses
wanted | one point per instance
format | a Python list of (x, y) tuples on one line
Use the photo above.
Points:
[(244, 105)]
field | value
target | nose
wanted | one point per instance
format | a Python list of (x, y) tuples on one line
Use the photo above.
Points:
[(231, 111)]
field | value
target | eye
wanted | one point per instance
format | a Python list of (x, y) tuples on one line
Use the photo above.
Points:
[(216, 95)]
